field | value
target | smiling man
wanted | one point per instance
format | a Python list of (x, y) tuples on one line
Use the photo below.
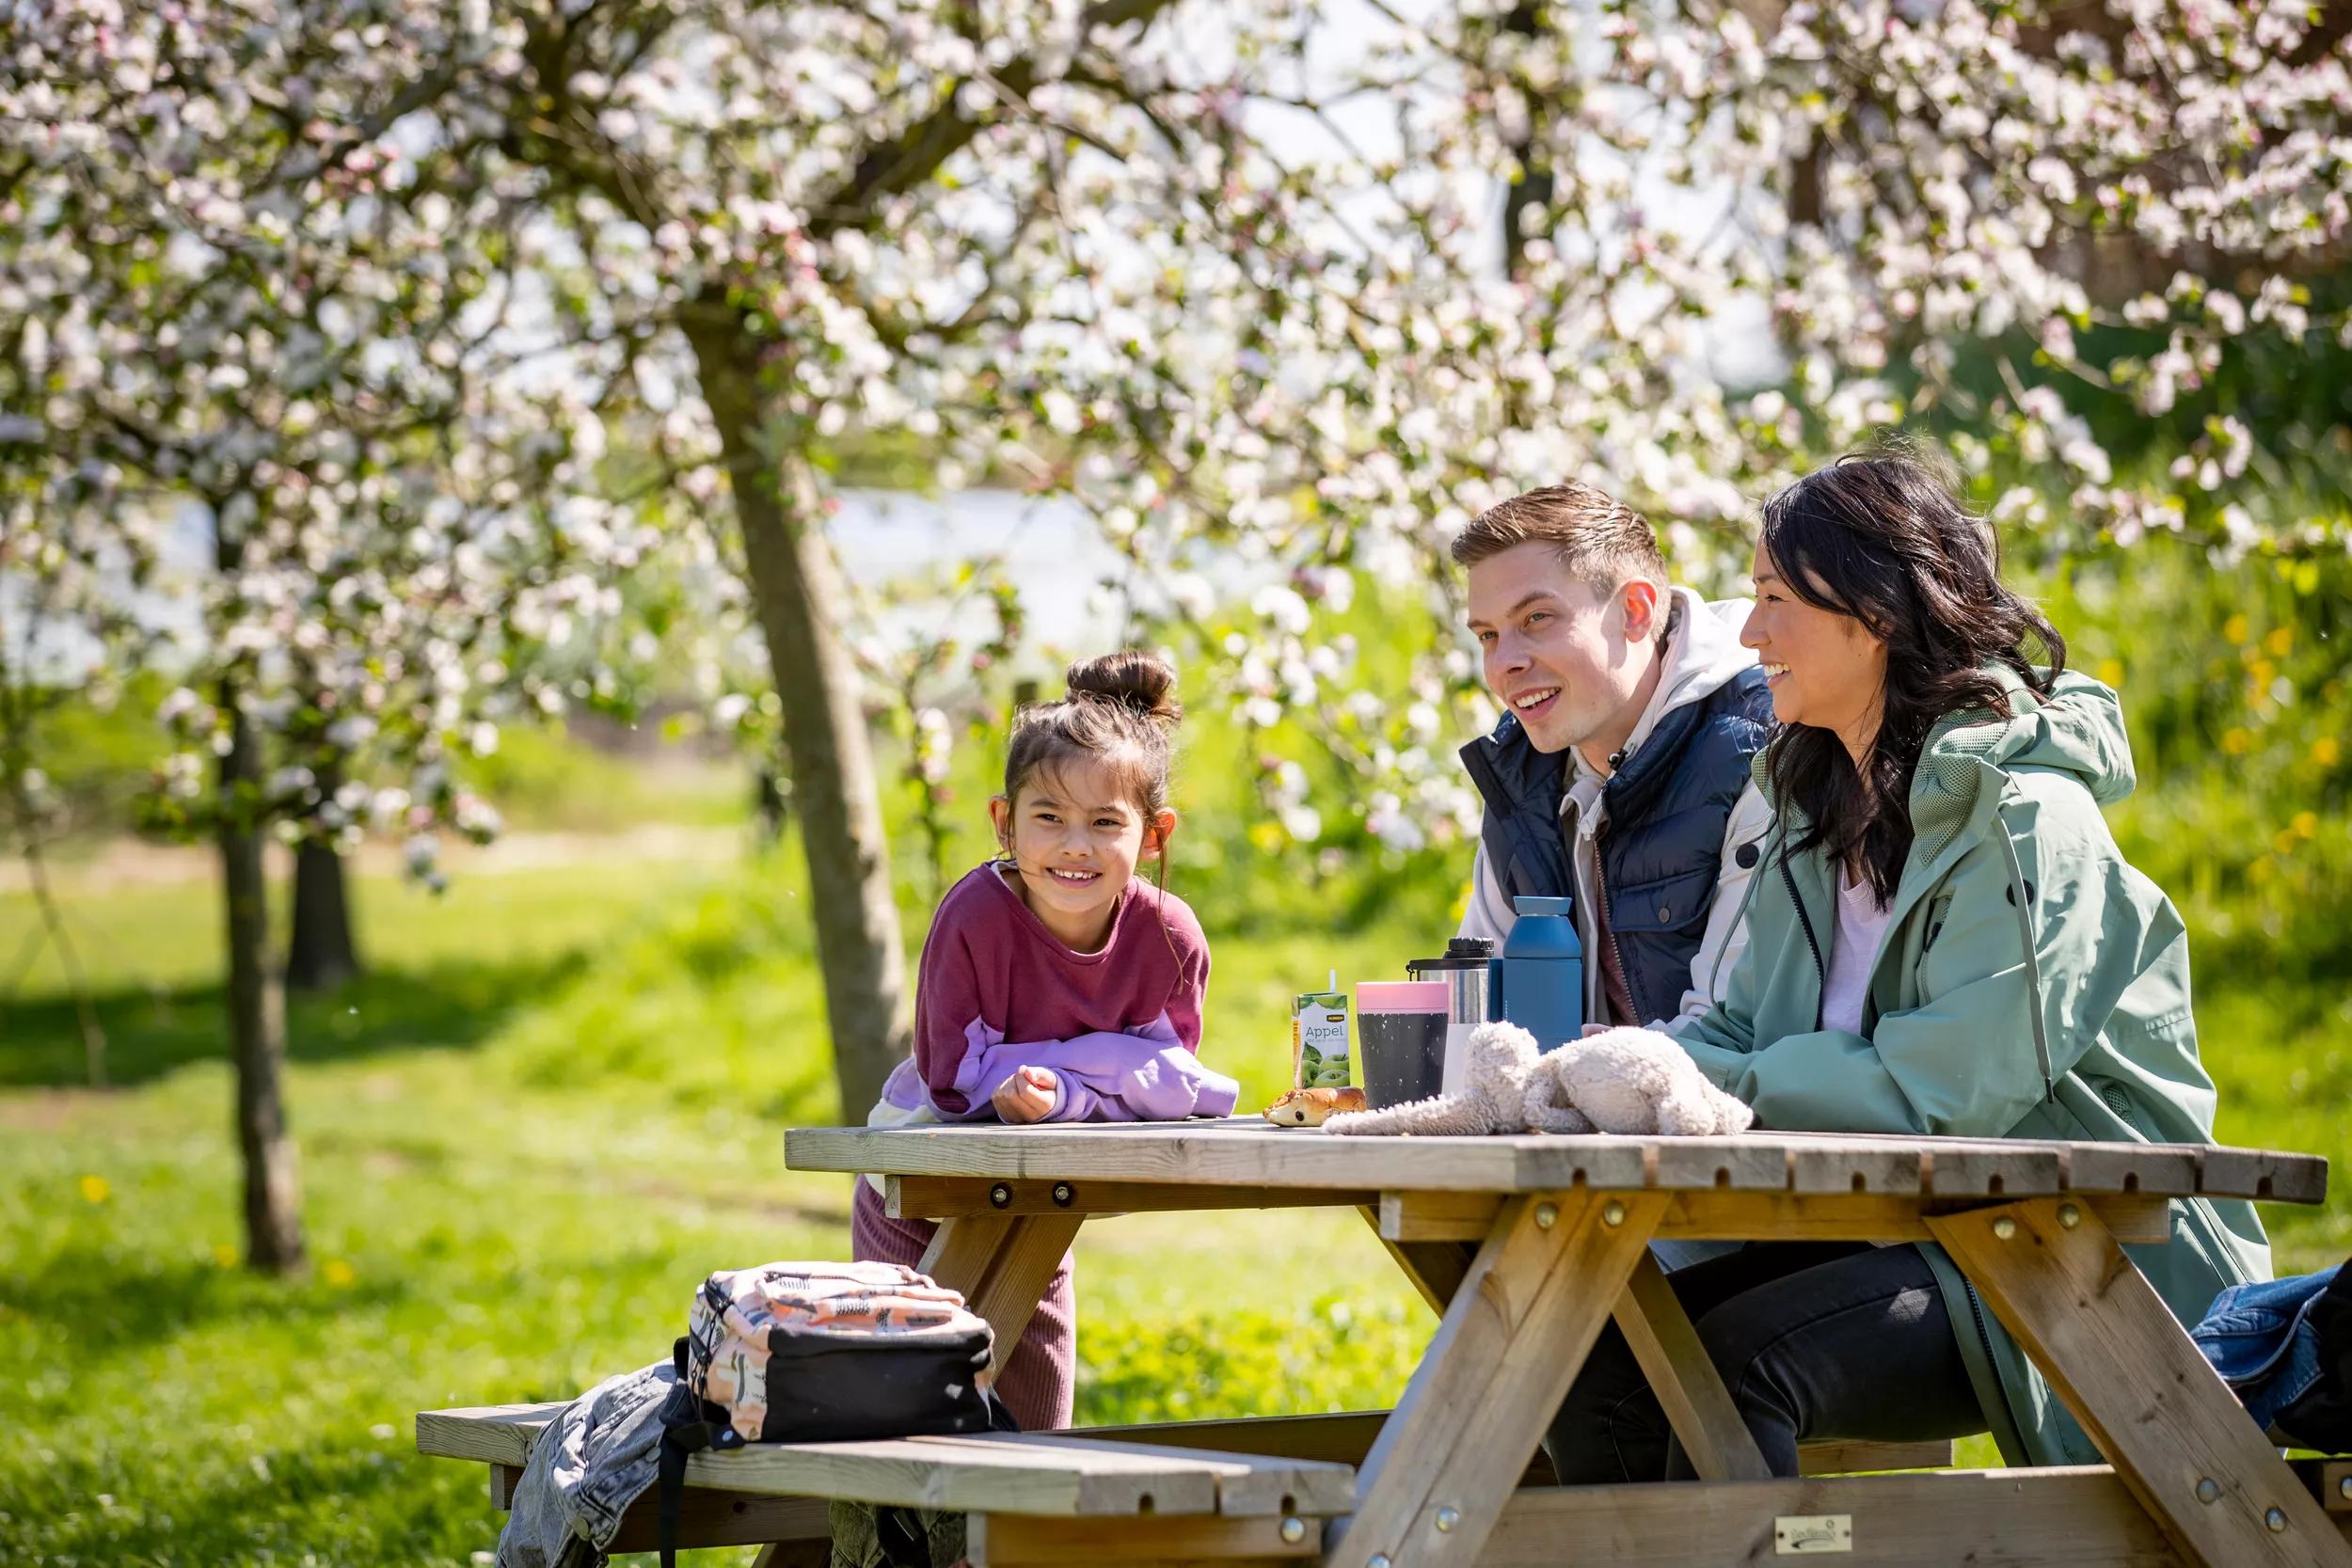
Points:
[(1618, 774)]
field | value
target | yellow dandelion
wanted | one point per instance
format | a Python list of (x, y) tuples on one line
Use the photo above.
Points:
[(337, 1273), (2283, 842), (94, 1189), (2324, 750), (2280, 641), (225, 1255), (2237, 742), (2261, 671), (2111, 670), (2307, 824), (2234, 629)]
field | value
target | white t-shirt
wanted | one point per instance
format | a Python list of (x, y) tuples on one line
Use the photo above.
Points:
[(1853, 951)]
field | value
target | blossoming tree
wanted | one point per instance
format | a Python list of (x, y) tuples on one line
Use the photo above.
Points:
[(275, 435), (1298, 283), (2079, 242)]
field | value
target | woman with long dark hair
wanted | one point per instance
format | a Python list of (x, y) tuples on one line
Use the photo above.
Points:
[(1943, 938)]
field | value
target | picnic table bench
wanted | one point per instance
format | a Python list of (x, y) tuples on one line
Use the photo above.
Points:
[(1526, 1245), (1304, 1464), (1031, 1492)]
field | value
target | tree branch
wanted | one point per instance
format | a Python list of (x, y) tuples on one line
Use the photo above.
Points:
[(898, 165)]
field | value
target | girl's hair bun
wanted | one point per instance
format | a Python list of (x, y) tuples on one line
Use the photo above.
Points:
[(1121, 709), (1144, 683)]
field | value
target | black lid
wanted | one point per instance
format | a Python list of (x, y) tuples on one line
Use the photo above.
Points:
[(1460, 953)]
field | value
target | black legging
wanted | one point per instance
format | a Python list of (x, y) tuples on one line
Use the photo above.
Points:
[(1815, 1339)]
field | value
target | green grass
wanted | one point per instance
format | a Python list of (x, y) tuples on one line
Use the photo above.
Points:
[(553, 1106), (547, 779)]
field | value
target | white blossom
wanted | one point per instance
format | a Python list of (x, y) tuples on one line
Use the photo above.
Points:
[(1230, 332)]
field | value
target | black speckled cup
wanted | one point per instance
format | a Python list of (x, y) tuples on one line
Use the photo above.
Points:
[(1400, 1039)]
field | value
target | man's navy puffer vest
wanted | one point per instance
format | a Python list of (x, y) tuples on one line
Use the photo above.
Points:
[(1661, 845)]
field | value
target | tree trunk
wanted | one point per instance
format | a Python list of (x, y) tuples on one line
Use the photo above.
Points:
[(257, 1021), (799, 596), (1533, 187), (321, 953)]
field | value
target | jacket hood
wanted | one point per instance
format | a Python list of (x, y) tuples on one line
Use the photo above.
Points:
[(1706, 654), (2076, 730), (1703, 655)]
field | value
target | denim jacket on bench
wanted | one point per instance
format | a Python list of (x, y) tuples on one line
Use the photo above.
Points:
[(596, 1457)]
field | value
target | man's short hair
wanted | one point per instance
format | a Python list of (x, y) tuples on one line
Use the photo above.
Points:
[(1600, 540)]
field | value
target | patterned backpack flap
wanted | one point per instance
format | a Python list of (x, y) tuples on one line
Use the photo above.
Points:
[(810, 1353)]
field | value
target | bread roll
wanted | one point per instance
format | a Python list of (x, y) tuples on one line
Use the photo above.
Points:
[(1308, 1107)]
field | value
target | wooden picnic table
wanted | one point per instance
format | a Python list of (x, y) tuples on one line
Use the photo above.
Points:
[(1527, 1245)]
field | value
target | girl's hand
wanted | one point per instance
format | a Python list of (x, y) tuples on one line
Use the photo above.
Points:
[(1027, 1096)]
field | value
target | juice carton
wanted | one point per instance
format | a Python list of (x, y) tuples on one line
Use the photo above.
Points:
[(1319, 1039)]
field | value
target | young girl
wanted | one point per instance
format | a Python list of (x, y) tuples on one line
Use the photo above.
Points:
[(1057, 985)]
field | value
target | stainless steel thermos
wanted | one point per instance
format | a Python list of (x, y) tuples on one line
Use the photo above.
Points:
[(1464, 970), (1538, 982)]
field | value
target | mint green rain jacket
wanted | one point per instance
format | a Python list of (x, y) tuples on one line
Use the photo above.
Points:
[(2031, 985)]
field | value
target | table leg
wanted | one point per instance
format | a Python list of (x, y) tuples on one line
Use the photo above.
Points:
[(1512, 1339), (1699, 1406), (1435, 1268), (2058, 1280), (1002, 1263), (1662, 1340)]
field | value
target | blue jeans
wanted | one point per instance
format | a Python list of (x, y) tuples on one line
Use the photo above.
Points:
[(2263, 1339), (1829, 1339)]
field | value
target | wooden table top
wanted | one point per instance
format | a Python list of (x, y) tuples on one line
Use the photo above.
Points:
[(1247, 1151)]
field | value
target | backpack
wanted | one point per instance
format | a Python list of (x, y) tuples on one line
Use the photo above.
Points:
[(818, 1353)]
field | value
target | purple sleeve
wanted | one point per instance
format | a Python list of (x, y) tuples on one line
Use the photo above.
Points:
[(1075, 1100), (1108, 1076)]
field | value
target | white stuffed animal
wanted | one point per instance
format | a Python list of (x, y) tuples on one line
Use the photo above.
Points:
[(1496, 1059), (1628, 1081), (1620, 1081)]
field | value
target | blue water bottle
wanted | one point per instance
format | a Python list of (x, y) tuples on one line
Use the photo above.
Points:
[(1539, 983)]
